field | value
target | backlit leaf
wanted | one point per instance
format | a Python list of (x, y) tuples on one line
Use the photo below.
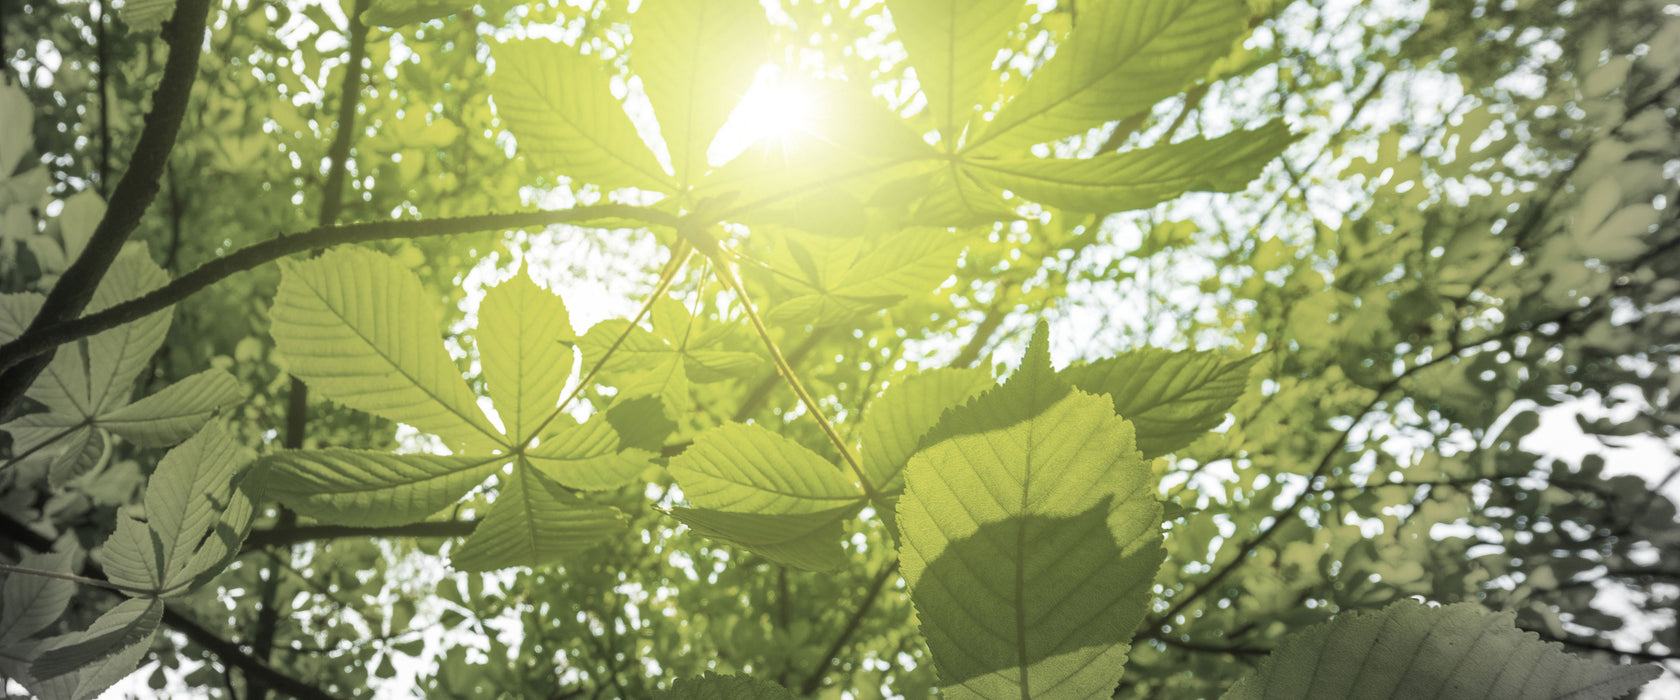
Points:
[(952, 44), (115, 357), (895, 423), (742, 468), (130, 623), (176, 412), (354, 487), (1030, 539), (28, 604), (1410, 650), (587, 457), (534, 522), (810, 541), (559, 105), (524, 343), (353, 324), (696, 59), (1172, 397), (1123, 57)]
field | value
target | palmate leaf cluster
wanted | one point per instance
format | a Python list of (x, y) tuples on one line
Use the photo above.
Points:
[(779, 471)]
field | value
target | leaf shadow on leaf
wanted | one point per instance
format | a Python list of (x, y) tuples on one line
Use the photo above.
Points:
[(1067, 617)]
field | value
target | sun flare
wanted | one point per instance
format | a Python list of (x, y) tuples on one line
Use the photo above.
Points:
[(777, 110)]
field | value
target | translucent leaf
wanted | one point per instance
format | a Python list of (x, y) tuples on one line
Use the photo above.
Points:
[(1171, 397), (810, 541), (355, 326), (1144, 177), (559, 105), (1122, 58), (1410, 650), (130, 623), (63, 386), (131, 556), (952, 44), (742, 468), (524, 345), (401, 13), (642, 365), (849, 278), (696, 59), (1030, 539), (115, 357), (194, 485), (28, 604), (535, 522), (176, 412), (712, 686), (78, 219), (83, 450), (354, 487), (953, 195), (894, 424), (587, 457)]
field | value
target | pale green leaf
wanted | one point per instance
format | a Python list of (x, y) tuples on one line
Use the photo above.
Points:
[(712, 686), (115, 357), (131, 556), (176, 412), (845, 279), (401, 13), (641, 365), (354, 487), (1144, 177), (954, 195), (83, 450), (1411, 650), (894, 423), (1122, 58), (810, 541), (696, 59), (560, 107), (952, 44), (587, 457), (1171, 397), (145, 16), (28, 604), (78, 219), (220, 547), (187, 497), (535, 522), (130, 623), (743, 468), (524, 345), (1030, 539), (63, 385), (354, 325)]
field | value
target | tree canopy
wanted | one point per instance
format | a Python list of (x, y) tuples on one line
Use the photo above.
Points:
[(839, 348)]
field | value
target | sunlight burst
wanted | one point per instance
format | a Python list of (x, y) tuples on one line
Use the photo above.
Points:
[(777, 110)]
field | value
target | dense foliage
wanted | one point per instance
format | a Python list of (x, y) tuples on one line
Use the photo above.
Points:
[(1131, 348)]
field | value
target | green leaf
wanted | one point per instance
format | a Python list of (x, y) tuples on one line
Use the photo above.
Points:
[(844, 279), (953, 195), (1030, 539), (587, 457), (29, 604), (642, 365), (894, 424), (353, 324), (535, 522), (952, 44), (1122, 58), (1144, 177), (560, 107), (131, 623), (176, 412), (1410, 650), (115, 357), (696, 59), (810, 541), (743, 468), (82, 451), (1172, 397), (401, 13), (712, 686), (63, 386), (354, 487), (132, 557), (525, 347)]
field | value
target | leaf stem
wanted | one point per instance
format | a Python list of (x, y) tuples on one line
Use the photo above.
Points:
[(97, 583), (814, 682), (727, 275)]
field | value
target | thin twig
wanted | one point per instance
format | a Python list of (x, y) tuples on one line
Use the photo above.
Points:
[(815, 680)]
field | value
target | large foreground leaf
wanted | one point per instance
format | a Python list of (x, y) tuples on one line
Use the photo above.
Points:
[(895, 423), (1172, 397), (952, 44), (353, 325), (696, 59), (524, 344), (1031, 538), (1410, 650), (534, 522), (356, 487), (1124, 56)]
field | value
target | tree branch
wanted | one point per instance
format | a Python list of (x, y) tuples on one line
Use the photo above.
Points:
[(275, 537), (815, 680), (133, 195), (37, 342)]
